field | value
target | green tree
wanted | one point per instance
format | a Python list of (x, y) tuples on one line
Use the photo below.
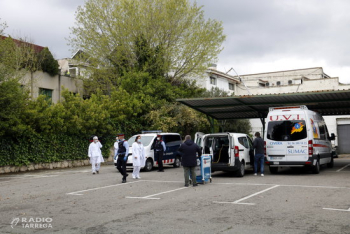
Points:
[(110, 32), (175, 117), (9, 59), (13, 105), (47, 62)]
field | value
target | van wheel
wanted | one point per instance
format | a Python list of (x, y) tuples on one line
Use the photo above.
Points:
[(273, 170), (241, 171), (331, 163), (148, 165), (177, 162), (316, 168)]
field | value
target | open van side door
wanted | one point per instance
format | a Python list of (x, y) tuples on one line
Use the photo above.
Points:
[(198, 139), (251, 151)]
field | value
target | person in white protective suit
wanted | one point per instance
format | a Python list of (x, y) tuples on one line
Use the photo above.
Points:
[(95, 155), (138, 157)]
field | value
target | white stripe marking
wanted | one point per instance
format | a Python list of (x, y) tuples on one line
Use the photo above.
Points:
[(163, 181), (286, 185), (166, 192), (336, 209), (343, 168), (109, 186), (256, 194), (150, 196), (252, 195), (250, 204), (44, 176)]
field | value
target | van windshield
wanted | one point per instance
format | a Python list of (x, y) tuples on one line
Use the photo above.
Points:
[(145, 140), (293, 130)]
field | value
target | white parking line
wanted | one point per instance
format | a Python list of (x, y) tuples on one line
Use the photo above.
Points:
[(109, 186), (286, 185), (252, 195), (152, 196), (44, 176), (336, 209), (163, 181), (315, 186), (343, 168), (29, 176)]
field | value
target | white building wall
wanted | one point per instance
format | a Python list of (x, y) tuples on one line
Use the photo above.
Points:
[(221, 83), (306, 86)]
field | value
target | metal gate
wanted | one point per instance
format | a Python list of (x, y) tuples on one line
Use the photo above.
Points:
[(344, 139)]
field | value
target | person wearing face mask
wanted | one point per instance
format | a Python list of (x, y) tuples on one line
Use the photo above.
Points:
[(122, 153), (138, 157), (95, 155), (159, 148)]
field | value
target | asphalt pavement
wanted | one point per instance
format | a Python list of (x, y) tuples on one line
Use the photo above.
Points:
[(75, 201)]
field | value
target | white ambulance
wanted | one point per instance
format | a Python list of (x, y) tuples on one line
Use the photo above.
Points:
[(297, 137)]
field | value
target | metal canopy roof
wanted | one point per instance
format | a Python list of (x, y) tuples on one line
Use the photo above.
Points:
[(257, 106)]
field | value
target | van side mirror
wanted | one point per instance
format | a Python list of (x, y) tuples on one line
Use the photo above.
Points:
[(332, 138)]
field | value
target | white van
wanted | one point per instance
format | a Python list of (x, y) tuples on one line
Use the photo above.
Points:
[(232, 152), (171, 155), (297, 137)]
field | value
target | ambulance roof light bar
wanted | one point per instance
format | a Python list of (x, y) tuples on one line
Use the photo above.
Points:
[(302, 107)]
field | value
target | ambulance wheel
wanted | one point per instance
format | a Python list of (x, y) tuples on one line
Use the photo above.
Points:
[(210, 180), (148, 165), (316, 168), (177, 162), (331, 163), (273, 170), (241, 170)]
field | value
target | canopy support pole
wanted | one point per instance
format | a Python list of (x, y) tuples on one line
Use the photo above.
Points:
[(262, 119), (211, 122)]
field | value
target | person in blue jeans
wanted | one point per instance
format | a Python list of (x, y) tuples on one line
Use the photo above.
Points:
[(258, 145), (189, 151)]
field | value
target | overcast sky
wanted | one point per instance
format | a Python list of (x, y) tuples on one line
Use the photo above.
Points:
[(262, 35)]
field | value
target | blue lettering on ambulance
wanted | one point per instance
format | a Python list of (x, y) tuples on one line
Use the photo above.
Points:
[(297, 151)]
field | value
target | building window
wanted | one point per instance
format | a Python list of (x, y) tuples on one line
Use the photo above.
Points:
[(212, 80), (231, 86), (46, 92)]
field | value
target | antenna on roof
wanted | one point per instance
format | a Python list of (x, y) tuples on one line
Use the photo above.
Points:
[(240, 79)]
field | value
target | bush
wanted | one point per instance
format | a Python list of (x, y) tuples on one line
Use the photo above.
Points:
[(47, 149)]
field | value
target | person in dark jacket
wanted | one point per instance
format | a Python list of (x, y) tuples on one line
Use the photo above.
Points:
[(258, 145), (189, 151), (159, 149), (122, 154)]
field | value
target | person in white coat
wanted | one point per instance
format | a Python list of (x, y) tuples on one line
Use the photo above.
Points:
[(95, 155), (138, 157)]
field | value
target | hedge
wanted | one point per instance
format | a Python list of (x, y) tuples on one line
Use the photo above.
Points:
[(46, 149)]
